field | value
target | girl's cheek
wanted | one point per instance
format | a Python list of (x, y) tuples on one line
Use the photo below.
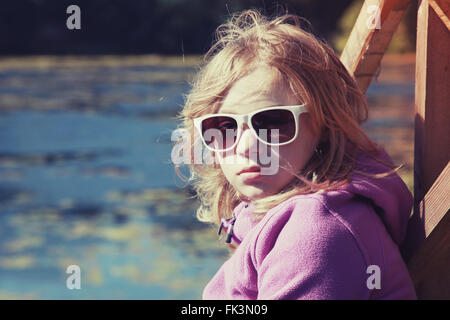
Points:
[(230, 174), (220, 157)]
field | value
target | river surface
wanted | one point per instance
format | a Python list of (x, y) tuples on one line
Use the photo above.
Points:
[(86, 179)]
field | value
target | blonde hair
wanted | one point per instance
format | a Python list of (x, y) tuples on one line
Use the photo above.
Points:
[(314, 75)]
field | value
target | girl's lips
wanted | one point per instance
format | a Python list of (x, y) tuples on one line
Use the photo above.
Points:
[(248, 170), (250, 174)]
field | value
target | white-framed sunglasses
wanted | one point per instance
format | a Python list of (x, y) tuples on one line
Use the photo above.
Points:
[(275, 126)]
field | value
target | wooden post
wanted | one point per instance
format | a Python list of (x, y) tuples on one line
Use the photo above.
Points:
[(432, 101), (430, 265)]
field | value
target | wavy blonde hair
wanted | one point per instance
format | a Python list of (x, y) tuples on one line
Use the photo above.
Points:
[(315, 76)]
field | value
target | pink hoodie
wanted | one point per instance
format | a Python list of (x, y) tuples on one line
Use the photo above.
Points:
[(320, 246)]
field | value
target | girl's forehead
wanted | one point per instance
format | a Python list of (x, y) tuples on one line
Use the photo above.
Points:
[(260, 89)]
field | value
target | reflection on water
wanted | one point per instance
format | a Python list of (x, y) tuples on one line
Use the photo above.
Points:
[(86, 179)]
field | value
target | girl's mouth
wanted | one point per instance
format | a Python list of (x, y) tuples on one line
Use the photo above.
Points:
[(250, 174), (250, 170)]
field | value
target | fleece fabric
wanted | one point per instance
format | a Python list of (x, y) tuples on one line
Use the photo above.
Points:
[(341, 244)]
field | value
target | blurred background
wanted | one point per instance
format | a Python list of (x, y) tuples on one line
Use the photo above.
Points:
[(86, 118)]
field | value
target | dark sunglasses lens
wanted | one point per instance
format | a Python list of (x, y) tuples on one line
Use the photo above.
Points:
[(274, 126), (219, 132)]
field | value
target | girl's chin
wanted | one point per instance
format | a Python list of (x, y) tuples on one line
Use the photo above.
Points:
[(254, 192)]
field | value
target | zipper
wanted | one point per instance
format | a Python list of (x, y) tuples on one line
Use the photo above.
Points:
[(229, 223)]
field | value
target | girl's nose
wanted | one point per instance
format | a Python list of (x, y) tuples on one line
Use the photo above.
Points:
[(247, 142)]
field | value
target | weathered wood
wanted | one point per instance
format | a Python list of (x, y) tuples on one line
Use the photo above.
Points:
[(430, 265), (431, 211), (436, 202), (442, 7), (432, 100), (366, 46), (429, 268)]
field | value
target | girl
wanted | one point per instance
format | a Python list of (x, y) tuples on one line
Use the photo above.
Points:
[(328, 222)]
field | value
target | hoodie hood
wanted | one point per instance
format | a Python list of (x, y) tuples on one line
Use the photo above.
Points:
[(389, 195)]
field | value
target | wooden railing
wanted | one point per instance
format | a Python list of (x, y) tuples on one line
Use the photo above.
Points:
[(427, 245)]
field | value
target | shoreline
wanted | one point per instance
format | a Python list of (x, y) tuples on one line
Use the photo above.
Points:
[(85, 61)]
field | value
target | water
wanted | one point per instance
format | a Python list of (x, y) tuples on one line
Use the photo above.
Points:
[(86, 179)]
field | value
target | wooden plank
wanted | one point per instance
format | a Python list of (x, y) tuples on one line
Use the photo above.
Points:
[(429, 267), (436, 202), (432, 209), (442, 9), (432, 119), (366, 46), (432, 100)]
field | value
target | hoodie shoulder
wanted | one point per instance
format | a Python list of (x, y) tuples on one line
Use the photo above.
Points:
[(304, 252), (388, 195)]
